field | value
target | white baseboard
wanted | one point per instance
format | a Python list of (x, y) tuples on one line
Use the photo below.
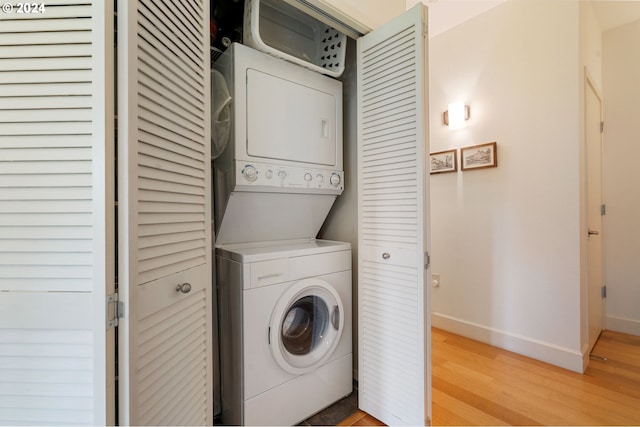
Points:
[(624, 325), (536, 349)]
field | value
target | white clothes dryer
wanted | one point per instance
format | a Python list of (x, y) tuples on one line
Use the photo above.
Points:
[(285, 327), (282, 169)]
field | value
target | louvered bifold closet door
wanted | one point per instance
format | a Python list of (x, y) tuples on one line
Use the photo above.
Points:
[(56, 193), (164, 206), (392, 225)]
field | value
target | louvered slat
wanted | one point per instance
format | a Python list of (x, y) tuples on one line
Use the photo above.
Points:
[(30, 141), (64, 11), (41, 64), (168, 220), (45, 51), (163, 266), (46, 129), (46, 90), (22, 180), (391, 223), (45, 38), (168, 213), (159, 231), (50, 102), (44, 24)]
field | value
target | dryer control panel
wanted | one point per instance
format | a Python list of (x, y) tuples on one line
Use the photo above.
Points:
[(266, 177)]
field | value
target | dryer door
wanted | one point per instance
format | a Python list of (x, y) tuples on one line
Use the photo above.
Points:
[(306, 326), (290, 121)]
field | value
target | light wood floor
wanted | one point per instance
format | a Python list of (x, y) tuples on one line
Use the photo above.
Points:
[(476, 384)]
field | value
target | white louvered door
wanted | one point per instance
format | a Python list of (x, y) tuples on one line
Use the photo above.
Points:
[(393, 310), (164, 212), (56, 213)]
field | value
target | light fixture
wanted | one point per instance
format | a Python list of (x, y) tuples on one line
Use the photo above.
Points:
[(456, 114)]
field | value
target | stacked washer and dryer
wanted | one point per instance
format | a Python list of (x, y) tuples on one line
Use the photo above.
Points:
[(284, 297)]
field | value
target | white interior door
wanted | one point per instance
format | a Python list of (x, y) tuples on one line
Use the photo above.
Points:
[(594, 213), (393, 309), (164, 213), (56, 213)]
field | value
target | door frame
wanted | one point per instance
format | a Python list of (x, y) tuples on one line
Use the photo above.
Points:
[(590, 84)]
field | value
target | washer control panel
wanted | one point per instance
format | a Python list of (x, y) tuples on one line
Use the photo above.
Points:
[(262, 176)]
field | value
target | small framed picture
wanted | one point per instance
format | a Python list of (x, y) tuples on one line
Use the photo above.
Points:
[(479, 156), (444, 161)]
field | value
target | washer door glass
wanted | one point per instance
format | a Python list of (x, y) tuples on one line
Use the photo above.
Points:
[(306, 326)]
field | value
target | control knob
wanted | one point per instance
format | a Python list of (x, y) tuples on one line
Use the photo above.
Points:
[(268, 174), (250, 173), (282, 175), (307, 177), (319, 177), (335, 179)]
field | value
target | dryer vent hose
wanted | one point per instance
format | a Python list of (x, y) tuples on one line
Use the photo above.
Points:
[(220, 114)]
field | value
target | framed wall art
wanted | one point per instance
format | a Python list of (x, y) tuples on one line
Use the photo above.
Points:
[(443, 161), (479, 156)]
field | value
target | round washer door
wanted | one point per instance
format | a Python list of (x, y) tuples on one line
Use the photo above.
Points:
[(306, 326)]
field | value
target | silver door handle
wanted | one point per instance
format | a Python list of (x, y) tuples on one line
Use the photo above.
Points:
[(185, 288), (386, 255), (593, 232)]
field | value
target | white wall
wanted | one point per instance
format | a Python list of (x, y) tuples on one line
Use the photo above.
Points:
[(506, 241), (590, 44), (621, 87)]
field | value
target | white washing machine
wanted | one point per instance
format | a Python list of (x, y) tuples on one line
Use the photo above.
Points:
[(285, 319)]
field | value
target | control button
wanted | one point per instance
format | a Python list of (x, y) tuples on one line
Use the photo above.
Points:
[(334, 179), (319, 177), (250, 173), (268, 174), (282, 174), (307, 177)]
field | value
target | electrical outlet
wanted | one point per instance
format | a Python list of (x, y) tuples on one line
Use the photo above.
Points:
[(435, 280)]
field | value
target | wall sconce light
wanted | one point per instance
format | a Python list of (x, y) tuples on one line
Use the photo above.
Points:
[(456, 115)]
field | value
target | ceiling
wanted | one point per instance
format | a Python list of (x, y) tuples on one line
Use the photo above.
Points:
[(446, 14), (613, 13)]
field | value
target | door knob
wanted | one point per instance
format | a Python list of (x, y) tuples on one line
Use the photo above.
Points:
[(185, 288), (386, 255), (335, 317), (593, 232)]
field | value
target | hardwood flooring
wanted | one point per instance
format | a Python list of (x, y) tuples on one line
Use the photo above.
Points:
[(361, 419), (477, 384)]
